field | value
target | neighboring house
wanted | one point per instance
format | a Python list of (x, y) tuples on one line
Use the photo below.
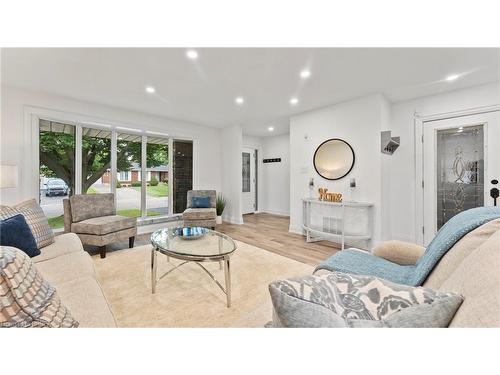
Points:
[(160, 173)]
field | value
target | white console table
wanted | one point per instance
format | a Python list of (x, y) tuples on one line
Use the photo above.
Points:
[(337, 222)]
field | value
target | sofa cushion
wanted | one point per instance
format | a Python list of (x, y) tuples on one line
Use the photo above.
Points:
[(87, 206), (36, 219), (104, 225), (63, 244), (460, 251), (359, 300), (85, 299), (27, 300), (477, 278), (66, 267), (15, 232), (211, 194), (199, 214)]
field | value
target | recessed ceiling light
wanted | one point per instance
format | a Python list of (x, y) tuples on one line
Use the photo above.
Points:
[(452, 77), (150, 90), (239, 100), (305, 73), (294, 101), (192, 54), (271, 128)]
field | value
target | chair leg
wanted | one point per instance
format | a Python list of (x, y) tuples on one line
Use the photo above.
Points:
[(102, 249), (131, 242)]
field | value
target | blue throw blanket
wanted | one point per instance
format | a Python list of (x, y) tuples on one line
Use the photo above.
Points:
[(360, 263)]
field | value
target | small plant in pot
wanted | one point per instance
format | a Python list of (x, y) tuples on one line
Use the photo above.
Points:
[(220, 204)]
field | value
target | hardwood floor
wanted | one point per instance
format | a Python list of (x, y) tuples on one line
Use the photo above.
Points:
[(269, 232)]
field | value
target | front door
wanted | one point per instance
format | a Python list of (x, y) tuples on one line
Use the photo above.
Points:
[(248, 200), (461, 159)]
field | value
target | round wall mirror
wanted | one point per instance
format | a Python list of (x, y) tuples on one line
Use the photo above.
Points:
[(333, 159)]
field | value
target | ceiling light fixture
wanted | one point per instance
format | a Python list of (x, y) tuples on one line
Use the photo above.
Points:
[(271, 128), (150, 90), (192, 54), (294, 101), (239, 100), (305, 74), (452, 77)]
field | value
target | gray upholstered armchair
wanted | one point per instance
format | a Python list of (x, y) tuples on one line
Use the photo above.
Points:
[(200, 217), (93, 218)]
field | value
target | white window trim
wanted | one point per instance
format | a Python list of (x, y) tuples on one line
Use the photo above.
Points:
[(31, 123)]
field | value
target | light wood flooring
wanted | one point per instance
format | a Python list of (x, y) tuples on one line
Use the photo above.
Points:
[(269, 232)]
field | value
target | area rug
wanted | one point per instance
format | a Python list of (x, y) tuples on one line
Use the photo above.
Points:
[(187, 297)]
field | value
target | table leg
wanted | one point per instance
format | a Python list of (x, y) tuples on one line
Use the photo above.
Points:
[(154, 267), (227, 274)]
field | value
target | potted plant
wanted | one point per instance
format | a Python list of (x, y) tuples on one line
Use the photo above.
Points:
[(220, 204)]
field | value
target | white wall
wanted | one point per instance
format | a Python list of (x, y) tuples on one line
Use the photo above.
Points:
[(232, 144), (275, 194), (401, 171), (16, 141), (358, 122)]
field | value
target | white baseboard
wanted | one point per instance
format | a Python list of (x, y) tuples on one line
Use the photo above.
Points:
[(233, 220), (296, 229), (277, 213)]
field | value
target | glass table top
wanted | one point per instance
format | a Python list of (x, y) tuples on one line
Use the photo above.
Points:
[(193, 242)]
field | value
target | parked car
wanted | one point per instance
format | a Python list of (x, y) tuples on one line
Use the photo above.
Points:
[(56, 186)]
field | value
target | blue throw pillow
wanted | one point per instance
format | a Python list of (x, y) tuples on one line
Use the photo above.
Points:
[(15, 232), (200, 202)]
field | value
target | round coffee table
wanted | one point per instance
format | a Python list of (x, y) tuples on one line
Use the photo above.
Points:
[(193, 245)]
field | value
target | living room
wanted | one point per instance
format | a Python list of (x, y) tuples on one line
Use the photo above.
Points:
[(226, 186)]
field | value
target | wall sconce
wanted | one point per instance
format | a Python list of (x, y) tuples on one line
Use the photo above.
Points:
[(388, 144)]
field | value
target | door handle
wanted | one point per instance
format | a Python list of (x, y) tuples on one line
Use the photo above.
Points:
[(494, 192)]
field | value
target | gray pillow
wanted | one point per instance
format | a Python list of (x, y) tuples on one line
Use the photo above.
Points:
[(343, 300)]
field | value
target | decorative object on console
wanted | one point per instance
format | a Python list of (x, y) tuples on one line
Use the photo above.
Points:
[(334, 159), (220, 205), (8, 176), (388, 144), (342, 300), (329, 197)]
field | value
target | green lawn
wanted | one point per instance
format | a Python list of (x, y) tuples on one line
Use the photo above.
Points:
[(91, 190), (58, 221), (158, 191)]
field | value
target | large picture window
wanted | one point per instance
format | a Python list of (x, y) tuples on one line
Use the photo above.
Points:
[(56, 168), (136, 167)]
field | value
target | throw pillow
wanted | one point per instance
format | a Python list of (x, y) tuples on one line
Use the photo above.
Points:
[(344, 300), (36, 219), (400, 252), (15, 232), (200, 202), (27, 299)]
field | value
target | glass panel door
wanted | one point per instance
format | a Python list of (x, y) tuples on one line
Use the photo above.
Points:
[(128, 166), (56, 168), (96, 161), (157, 176), (183, 173), (460, 171)]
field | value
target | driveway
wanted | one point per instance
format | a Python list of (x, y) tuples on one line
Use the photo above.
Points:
[(126, 198)]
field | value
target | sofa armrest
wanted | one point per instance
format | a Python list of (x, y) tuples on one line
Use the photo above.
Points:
[(399, 252)]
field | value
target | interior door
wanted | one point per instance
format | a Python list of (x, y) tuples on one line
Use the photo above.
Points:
[(248, 181), (461, 158)]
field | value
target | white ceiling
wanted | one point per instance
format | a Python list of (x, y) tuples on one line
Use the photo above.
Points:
[(203, 91)]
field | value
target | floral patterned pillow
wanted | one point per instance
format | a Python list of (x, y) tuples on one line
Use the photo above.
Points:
[(344, 300)]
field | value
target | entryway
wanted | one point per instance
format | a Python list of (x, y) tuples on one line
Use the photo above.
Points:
[(249, 181), (461, 161)]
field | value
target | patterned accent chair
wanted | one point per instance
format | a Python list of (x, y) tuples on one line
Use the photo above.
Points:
[(92, 217), (200, 217)]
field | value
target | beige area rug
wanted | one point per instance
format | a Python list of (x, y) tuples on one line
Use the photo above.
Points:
[(187, 297)]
